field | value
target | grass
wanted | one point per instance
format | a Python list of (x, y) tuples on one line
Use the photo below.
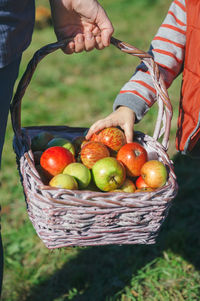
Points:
[(77, 90)]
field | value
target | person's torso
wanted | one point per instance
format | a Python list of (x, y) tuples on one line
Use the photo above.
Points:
[(189, 115), (16, 27)]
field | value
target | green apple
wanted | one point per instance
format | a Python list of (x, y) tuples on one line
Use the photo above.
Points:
[(64, 181), (128, 186), (58, 141), (39, 142), (108, 174), (80, 172)]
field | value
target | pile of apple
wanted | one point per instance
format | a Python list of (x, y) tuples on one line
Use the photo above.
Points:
[(104, 163)]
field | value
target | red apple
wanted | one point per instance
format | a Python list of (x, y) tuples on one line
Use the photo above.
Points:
[(93, 151), (112, 137), (140, 183), (154, 173), (63, 181), (94, 137), (55, 159), (133, 156), (108, 174)]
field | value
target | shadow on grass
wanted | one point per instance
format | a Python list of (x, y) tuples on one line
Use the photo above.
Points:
[(98, 273)]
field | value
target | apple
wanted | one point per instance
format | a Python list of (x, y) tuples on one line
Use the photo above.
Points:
[(54, 159), (93, 151), (108, 174), (112, 137), (94, 137), (80, 172), (117, 190), (64, 181), (39, 142), (77, 141), (92, 186), (58, 141), (154, 173), (133, 156), (78, 152), (128, 186), (140, 183), (144, 189), (84, 143)]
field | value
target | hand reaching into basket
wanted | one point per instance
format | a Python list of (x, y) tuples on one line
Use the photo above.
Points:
[(86, 21), (123, 117)]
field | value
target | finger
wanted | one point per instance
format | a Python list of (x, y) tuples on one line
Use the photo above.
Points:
[(99, 44), (91, 131), (109, 122), (70, 48), (96, 127), (106, 35), (89, 41), (128, 131), (96, 31), (105, 27), (79, 43)]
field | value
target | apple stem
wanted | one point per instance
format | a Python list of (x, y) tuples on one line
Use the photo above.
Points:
[(137, 153)]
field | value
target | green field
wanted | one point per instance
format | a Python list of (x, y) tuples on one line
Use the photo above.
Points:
[(77, 90)]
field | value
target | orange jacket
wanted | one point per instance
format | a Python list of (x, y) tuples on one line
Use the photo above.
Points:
[(188, 132)]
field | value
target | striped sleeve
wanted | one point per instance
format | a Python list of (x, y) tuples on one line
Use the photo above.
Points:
[(168, 49)]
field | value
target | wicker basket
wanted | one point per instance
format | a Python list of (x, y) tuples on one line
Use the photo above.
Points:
[(64, 217)]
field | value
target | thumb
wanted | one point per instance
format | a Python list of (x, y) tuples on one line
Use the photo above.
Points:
[(128, 133), (105, 27), (106, 35)]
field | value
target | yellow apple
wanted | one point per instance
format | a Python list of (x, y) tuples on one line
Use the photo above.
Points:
[(128, 186), (64, 181)]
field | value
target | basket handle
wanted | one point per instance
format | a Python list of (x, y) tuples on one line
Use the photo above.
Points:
[(165, 108)]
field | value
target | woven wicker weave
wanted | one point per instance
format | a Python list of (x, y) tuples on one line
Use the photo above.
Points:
[(64, 217)]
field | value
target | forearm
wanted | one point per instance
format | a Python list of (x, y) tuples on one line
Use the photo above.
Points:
[(168, 49)]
